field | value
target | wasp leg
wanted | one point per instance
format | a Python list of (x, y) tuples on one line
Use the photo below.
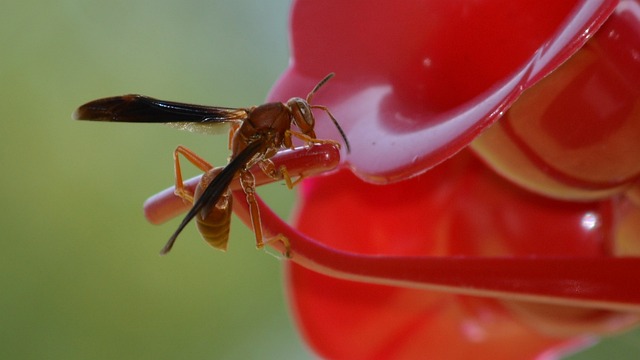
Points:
[(197, 161), (306, 138), (283, 239), (335, 122), (248, 183), (287, 178), (268, 167)]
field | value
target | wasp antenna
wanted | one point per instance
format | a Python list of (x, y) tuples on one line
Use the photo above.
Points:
[(335, 122), (322, 82)]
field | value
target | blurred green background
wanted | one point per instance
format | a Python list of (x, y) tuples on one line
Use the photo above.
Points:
[(79, 268)]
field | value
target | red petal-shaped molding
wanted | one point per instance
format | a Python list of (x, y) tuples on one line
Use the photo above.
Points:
[(464, 221), (427, 253), (416, 81), (575, 134), (458, 228)]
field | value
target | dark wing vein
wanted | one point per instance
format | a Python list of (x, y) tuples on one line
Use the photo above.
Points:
[(139, 108)]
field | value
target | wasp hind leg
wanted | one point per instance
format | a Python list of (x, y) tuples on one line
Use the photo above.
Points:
[(193, 158), (283, 239)]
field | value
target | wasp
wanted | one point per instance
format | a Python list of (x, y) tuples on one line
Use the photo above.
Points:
[(256, 134)]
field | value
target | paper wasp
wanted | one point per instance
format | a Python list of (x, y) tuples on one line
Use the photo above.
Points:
[(256, 135)]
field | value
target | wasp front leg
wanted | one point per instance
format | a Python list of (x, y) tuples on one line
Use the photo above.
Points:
[(308, 140)]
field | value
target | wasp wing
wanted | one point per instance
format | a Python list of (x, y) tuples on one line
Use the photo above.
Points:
[(144, 109)]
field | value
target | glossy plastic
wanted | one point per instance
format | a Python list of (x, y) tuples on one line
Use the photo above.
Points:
[(576, 134), (416, 82)]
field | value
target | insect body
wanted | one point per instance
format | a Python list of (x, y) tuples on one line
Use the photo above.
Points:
[(257, 134)]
